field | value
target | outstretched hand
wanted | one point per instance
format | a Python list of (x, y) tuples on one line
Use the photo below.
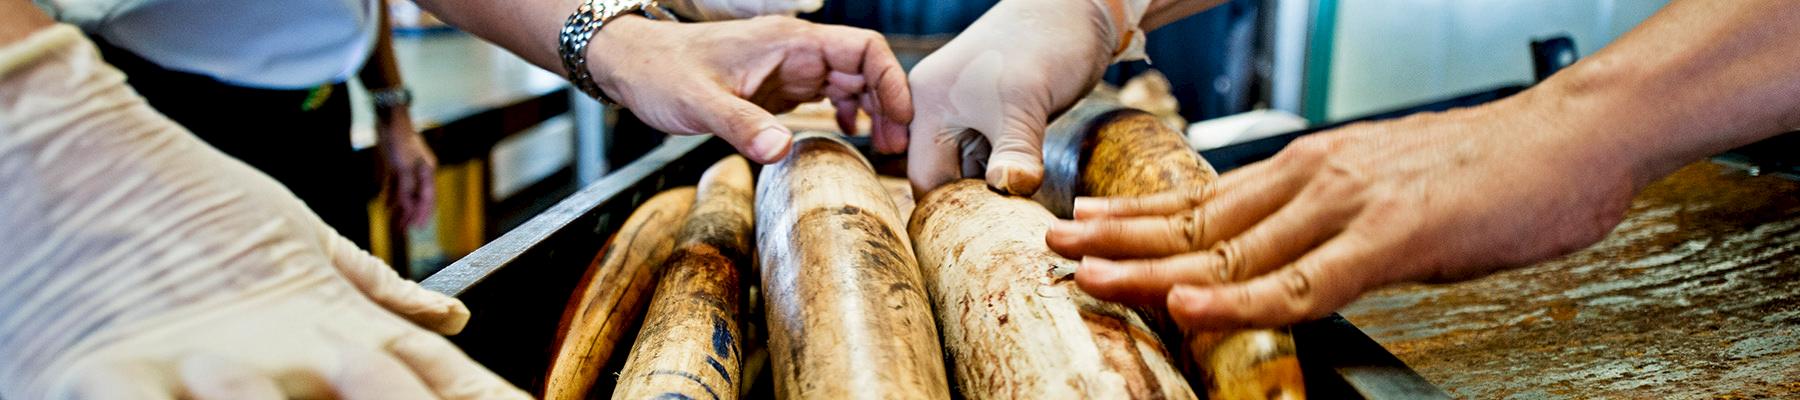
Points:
[(1430, 198), (726, 78)]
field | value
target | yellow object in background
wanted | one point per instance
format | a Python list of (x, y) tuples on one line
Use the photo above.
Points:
[(454, 231)]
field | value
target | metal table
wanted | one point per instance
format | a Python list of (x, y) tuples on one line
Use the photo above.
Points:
[(1695, 295)]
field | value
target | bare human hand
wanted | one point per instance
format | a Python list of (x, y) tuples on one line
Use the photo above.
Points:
[(726, 77), (408, 168), (1454, 195), (1432, 198)]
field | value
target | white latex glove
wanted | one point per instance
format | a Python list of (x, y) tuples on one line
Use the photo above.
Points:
[(983, 100), (140, 263), (718, 10)]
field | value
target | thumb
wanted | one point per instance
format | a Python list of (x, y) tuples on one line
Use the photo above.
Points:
[(932, 156), (449, 373), (750, 129), (428, 309), (1016, 165)]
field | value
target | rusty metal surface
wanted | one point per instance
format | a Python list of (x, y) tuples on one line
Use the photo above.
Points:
[(1695, 295)]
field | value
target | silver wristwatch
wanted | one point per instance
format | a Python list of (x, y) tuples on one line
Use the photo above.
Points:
[(580, 28), (398, 96)]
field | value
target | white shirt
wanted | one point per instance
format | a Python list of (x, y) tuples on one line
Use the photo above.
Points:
[(275, 44)]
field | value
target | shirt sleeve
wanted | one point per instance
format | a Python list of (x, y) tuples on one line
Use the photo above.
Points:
[(87, 14)]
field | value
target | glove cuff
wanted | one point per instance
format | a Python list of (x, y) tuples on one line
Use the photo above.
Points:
[(1124, 19), (41, 43)]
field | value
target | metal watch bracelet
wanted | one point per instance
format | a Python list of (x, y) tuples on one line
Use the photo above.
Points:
[(398, 96), (579, 31)]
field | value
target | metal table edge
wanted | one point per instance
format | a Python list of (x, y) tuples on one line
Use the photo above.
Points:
[(470, 270)]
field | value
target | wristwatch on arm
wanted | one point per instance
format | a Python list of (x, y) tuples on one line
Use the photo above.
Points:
[(391, 98), (580, 28)]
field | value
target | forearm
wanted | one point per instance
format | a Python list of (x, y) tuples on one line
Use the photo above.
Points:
[(381, 71), (1163, 12), (18, 19), (1697, 78), (526, 27), (529, 28)]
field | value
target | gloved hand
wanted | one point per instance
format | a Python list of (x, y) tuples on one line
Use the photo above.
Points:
[(984, 99), (141, 263), (719, 10), (725, 78)]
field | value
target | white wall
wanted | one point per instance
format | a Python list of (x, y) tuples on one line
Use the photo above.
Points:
[(524, 159), (1393, 53)]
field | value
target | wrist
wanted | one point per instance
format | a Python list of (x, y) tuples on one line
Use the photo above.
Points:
[(608, 48), (1118, 22), (20, 20), (1113, 26), (395, 96), (1589, 119), (389, 115), (1617, 115), (1074, 30)]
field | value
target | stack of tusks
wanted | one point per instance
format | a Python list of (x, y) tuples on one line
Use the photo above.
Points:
[(850, 309)]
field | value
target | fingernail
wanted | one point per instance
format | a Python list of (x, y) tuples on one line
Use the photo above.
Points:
[(1186, 296), (1063, 235), (1001, 180), (770, 144), (1087, 206), (1012, 180), (1098, 269), (1063, 227)]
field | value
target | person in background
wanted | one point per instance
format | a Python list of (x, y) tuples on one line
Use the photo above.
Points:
[(283, 71), (1430, 198), (143, 263)]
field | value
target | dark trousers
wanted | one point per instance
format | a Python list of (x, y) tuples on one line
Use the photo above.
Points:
[(299, 137)]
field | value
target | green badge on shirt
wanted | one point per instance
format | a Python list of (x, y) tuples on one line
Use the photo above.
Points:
[(316, 98)]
